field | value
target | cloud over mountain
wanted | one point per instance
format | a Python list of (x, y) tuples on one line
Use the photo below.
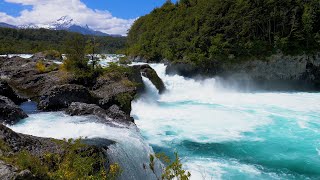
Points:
[(46, 11)]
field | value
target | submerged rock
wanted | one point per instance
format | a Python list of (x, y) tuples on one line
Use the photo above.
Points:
[(10, 113), (60, 97)]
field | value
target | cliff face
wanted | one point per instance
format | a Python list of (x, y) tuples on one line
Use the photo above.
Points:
[(277, 67), (276, 72)]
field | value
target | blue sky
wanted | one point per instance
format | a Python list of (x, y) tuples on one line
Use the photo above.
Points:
[(110, 16), (126, 9)]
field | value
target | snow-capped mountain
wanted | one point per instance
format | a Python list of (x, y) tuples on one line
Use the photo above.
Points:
[(63, 23)]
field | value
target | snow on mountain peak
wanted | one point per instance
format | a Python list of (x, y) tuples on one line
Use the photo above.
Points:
[(63, 23)]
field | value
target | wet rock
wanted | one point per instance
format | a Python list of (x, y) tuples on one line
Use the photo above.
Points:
[(117, 114), (10, 113), (152, 75), (60, 97), (80, 109), (35, 145), (114, 113)]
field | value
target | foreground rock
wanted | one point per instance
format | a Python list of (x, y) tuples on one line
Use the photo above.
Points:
[(29, 157), (60, 97), (10, 113), (9, 172), (7, 91), (114, 113)]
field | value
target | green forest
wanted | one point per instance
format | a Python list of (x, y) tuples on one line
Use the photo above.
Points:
[(199, 31), (17, 41)]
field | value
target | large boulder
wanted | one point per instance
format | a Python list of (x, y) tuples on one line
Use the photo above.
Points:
[(7, 91), (10, 113), (24, 77), (80, 109), (152, 75), (110, 90), (114, 113), (61, 96)]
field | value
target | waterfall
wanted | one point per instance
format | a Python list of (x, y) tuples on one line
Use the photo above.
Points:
[(223, 132)]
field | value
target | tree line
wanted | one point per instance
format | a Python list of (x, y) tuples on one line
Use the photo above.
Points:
[(18, 41), (201, 31)]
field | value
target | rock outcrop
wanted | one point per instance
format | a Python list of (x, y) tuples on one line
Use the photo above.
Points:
[(152, 75), (114, 90), (42, 151), (22, 74), (10, 113), (7, 91), (9, 172), (61, 96), (47, 55)]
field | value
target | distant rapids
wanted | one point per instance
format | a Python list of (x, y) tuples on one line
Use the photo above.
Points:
[(223, 133)]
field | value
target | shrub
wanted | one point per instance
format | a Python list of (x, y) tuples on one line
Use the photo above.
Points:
[(40, 66), (78, 162), (173, 169)]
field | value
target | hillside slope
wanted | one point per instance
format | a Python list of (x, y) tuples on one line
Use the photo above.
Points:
[(202, 31)]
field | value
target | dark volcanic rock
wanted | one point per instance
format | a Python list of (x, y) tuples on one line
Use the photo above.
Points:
[(80, 109), (60, 97), (114, 113), (112, 91), (35, 145), (152, 75), (26, 79), (9, 112), (117, 114), (7, 91)]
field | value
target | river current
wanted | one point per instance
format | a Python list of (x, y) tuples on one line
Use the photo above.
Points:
[(223, 133)]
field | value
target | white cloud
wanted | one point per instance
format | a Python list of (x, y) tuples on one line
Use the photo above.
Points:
[(47, 11)]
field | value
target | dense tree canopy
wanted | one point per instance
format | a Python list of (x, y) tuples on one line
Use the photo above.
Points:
[(36, 40), (205, 30)]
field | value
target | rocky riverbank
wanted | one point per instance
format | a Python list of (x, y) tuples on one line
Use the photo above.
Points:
[(108, 98)]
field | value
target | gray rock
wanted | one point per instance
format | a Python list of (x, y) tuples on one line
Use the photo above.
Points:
[(114, 113), (117, 114), (10, 113), (80, 109), (7, 172), (60, 97)]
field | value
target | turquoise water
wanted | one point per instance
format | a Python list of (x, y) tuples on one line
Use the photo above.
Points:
[(221, 133)]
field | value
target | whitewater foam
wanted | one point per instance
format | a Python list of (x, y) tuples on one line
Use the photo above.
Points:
[(231, 134)]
